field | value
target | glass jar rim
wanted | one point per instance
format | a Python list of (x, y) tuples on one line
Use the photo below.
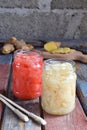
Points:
[(56, 61), (19, 51)]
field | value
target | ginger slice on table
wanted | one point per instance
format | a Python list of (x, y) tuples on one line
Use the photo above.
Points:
[(62, 50), (52, 45)]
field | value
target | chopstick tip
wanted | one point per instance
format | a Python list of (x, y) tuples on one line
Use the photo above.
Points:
[(44, 122), (26, 119)]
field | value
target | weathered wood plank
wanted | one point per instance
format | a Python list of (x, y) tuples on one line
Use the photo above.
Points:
[(5, 65), (82, 93), (12, 122), (6, 59), (82, 71), (82, 85), (4, 77), (76, 120)]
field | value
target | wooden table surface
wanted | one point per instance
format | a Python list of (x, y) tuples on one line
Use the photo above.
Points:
[(76, 120)]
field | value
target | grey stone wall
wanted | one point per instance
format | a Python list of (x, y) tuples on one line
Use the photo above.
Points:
[(43, 19)]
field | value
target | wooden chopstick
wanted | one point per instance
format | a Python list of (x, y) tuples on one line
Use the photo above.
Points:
[(16, 111), (33, 116)]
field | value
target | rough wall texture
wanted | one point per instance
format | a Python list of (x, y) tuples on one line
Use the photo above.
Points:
[(43, 19)]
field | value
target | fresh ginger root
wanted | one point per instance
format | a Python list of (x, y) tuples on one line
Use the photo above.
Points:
[(49, 46), (22, 45), (31, 47), (14, 44), (19, 44), (12, 40), (7, 48)]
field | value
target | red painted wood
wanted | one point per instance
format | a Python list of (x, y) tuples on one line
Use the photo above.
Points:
[(76, 120), (1, 107), (4, 76)]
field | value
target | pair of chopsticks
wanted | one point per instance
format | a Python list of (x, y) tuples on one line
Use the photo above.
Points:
[(17, 109)]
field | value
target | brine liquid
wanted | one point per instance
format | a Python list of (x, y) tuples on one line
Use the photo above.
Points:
[(27, 75), (59, 88)]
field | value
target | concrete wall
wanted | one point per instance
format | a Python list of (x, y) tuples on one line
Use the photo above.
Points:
[(43, 19)]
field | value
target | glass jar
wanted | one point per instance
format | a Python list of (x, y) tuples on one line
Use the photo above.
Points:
[(27, 74), (58, 87)]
